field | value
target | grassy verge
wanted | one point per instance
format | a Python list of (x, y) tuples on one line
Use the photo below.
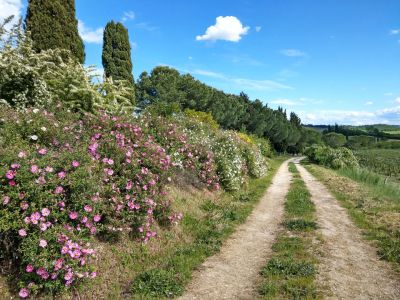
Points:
[(373, 207), (291, 271)]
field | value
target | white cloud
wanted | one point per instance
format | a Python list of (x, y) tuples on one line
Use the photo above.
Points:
[(10, 7), (383, 116), (89, 35), (388, 94), (258, 28), (369, 103), (286, 102), (245, 83), (292, 53), (128, 15), (397, 100), (208, 73), (146, 26), (394, 31), (226, 28), (260, 85)]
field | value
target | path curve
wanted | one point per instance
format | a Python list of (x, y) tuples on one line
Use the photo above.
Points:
[(349, 267), (233, 272)]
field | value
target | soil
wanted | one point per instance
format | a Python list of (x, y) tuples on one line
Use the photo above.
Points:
[(233, 273), (349, 266)]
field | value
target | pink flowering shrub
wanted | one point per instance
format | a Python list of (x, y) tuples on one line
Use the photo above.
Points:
[(65, 178)]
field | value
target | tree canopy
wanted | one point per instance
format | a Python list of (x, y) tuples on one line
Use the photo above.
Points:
[(52, 24)]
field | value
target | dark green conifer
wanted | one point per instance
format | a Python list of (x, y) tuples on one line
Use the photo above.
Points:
[(116, 56), (53, 24)]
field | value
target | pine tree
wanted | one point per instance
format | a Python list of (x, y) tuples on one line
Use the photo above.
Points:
[(53, 24), (116, 56)]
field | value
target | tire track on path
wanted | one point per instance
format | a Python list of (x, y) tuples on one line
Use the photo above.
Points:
[(233, 273), (349, 267)]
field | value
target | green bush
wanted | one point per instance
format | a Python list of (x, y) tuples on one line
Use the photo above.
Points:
[(332, 158), (31, 79)]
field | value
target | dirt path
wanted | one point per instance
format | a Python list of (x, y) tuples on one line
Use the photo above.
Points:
[(233, 272), (349, 267)]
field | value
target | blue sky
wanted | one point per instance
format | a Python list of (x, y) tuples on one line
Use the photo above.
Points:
[(330, 61)]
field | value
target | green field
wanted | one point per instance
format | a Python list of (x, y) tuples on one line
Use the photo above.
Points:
[(382, 161)]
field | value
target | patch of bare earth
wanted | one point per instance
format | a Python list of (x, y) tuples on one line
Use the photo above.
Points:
[(233, 272), (349, 267)]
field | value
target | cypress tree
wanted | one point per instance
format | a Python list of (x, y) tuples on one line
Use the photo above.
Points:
[(116, 55), (53, 24)]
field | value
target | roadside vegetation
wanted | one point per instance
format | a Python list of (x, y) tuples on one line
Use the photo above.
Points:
[(291, 271), (372, 204)]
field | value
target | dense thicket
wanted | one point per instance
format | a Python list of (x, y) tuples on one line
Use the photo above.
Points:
[(116, 55), (237, 112), (53, 24)]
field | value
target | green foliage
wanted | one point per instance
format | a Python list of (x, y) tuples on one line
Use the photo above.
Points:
[(360, 141), (334, 140), (235, 112), (116, 55), (156, 283), (332, 158), (52, 24), (382, 161), (299, 225), (31, 79), (203, 117)]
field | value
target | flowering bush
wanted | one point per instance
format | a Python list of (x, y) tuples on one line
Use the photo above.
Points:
[(62, 180), (65, 179), (332, 158)]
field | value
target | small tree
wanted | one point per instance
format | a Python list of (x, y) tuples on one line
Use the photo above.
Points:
[(334, 140), (52, 24)]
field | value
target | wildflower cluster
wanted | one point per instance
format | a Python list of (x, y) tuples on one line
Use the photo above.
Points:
[(65, 179)]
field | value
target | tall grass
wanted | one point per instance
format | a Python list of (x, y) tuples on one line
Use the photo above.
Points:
[(378, 183)]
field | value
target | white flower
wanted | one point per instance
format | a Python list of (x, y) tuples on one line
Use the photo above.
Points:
[(35, 111), (43, 128), (34, 137)]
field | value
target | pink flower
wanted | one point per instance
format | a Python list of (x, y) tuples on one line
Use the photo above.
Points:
[(75, 164), (97, 218), (93, 274), (43, 243), (49, 169), (11, 183), (59, 190), (22, 154), (34, 169), (73, 215), (24, 293), (61, 175), (43, 227), (15, 166), (29, 268), (24, 205), (42, 151), (68, 276), (88, 208), (22, 232), (45, 212), (6, 200), (10, 174)]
